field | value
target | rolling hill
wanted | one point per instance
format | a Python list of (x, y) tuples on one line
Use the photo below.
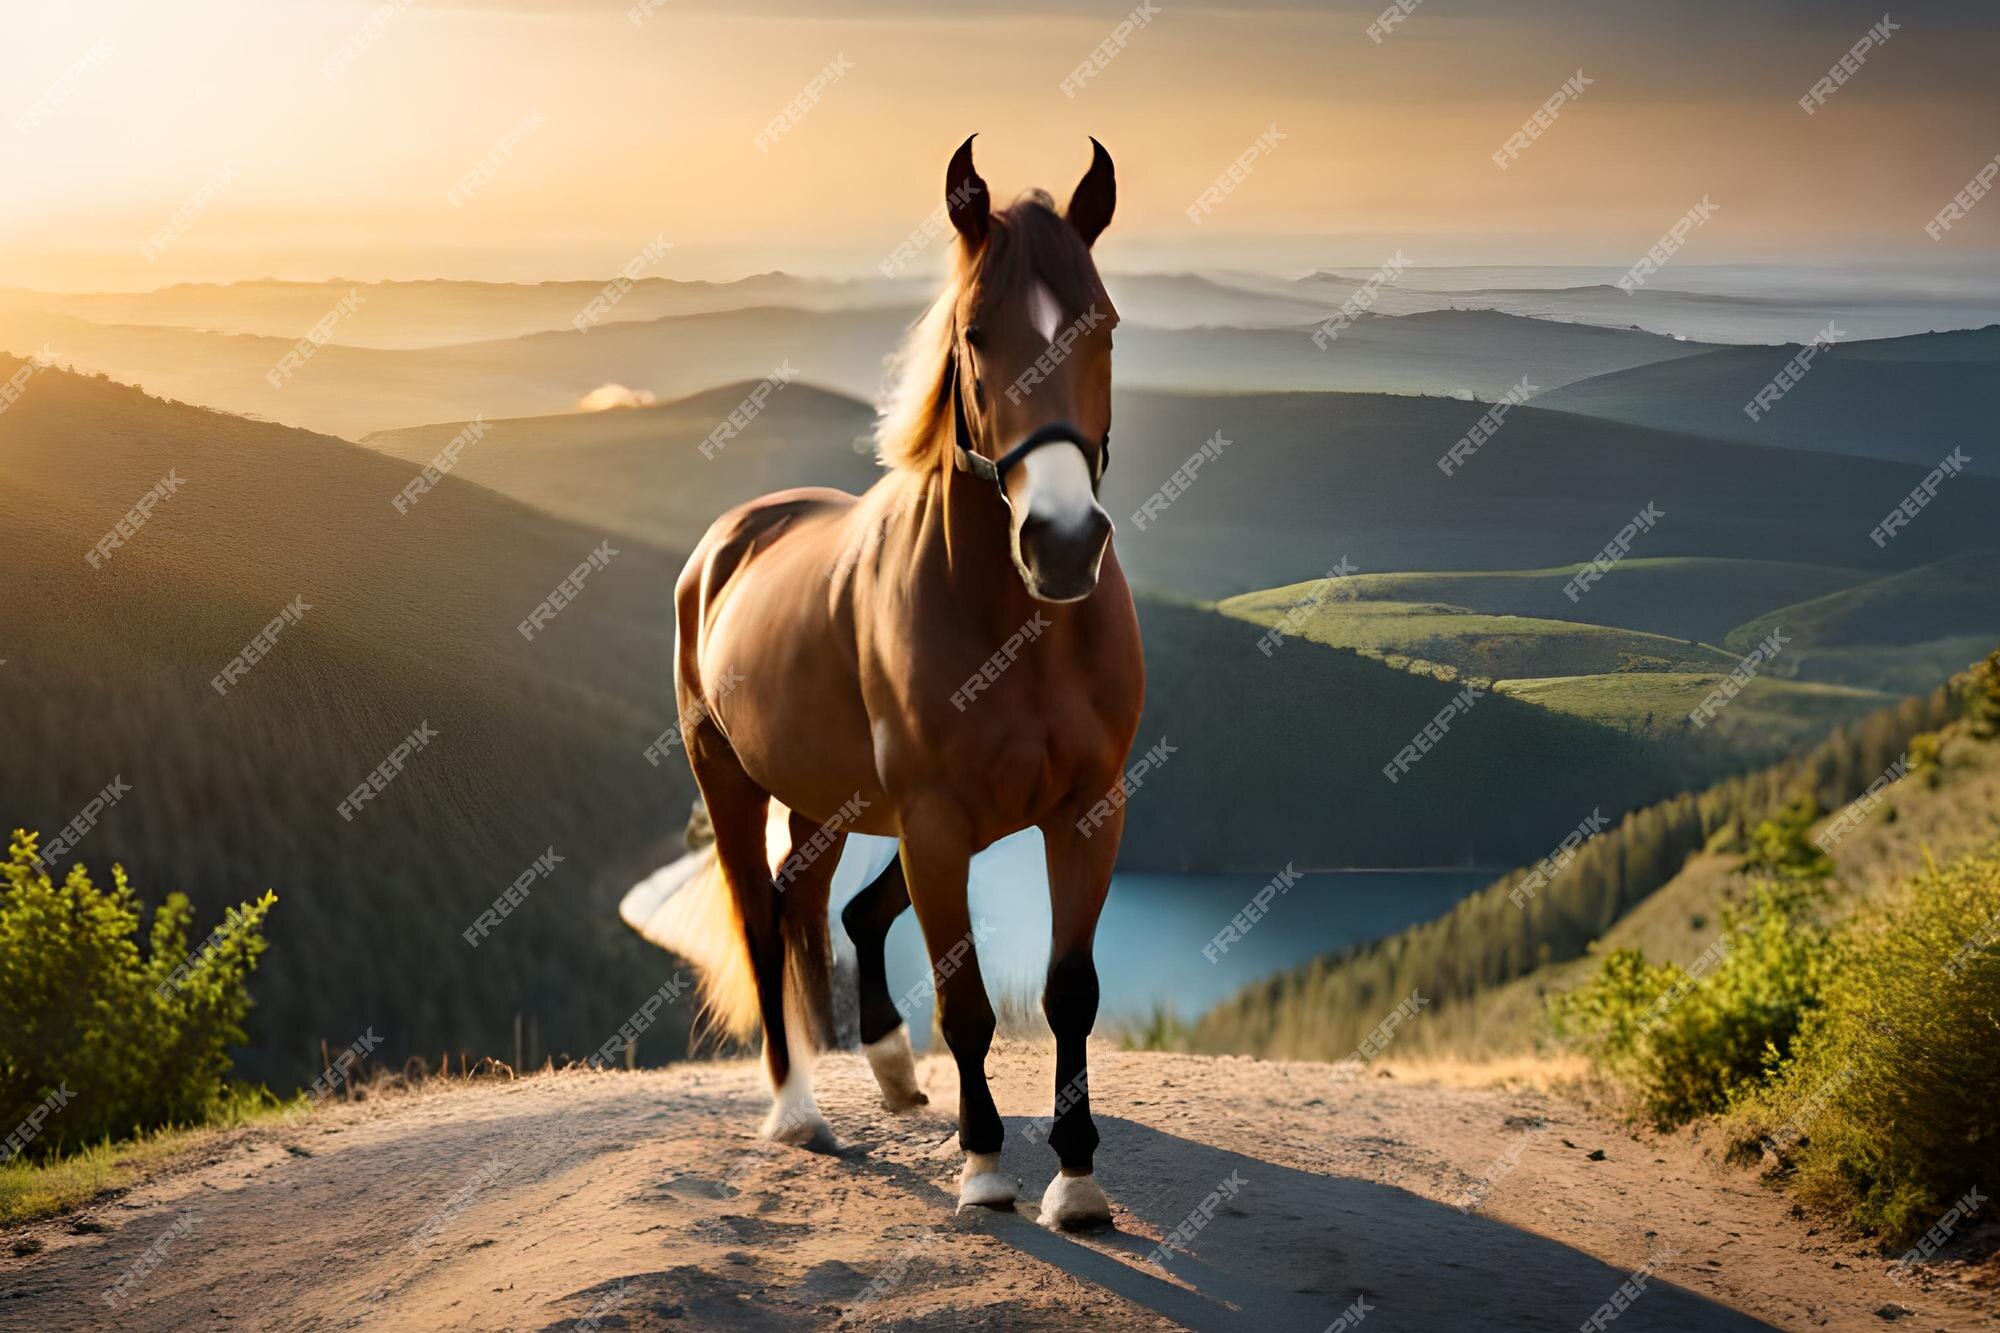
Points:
[(1909, 399), (1954, 598)]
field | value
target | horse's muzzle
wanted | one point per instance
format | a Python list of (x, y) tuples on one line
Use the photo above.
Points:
[(1059, 560)]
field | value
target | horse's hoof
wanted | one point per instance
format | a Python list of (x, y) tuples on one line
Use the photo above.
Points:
[(895, 1069), (981, 1185), (807, 1130), (1074, 1203)]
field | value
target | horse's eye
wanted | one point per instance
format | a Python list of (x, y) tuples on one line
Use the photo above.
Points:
[(974, 336)]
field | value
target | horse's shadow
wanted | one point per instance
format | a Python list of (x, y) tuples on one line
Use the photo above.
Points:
[(1293, 1250)]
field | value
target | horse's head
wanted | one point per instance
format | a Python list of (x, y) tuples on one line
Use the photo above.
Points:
[(1029, 368)]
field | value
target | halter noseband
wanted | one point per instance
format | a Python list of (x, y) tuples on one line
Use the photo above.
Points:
[(995, 470)]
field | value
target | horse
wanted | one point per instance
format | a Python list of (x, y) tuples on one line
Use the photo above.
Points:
[(948, 659)]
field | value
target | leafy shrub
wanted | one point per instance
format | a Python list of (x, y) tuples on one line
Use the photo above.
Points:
[(1686, 1041), (1889, 1105), (96, 1040)]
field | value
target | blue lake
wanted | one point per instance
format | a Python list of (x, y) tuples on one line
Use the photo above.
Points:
[(1151, 937)]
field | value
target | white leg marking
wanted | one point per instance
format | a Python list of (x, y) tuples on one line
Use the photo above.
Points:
[(981, 1185), (1072, 1203), (795, 1116), (895, 1069)]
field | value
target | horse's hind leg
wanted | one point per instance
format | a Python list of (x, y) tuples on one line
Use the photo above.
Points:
[(885, 1039), (737, 807)]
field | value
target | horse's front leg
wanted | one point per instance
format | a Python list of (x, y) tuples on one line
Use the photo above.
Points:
[(937, 852), (1081, 853)]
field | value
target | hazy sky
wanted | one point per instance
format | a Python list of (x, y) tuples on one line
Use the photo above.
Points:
[(113, 116)]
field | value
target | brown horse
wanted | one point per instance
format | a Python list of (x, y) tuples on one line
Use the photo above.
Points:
[(947, 659)]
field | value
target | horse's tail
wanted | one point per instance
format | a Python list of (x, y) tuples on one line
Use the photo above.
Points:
[(687, 908)]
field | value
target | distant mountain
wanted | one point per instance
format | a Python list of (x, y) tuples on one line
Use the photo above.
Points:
[(1310, 478), (1910, 399), (1953, 598)]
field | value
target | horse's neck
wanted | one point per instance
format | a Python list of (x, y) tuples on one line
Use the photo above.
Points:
[(976, 547)]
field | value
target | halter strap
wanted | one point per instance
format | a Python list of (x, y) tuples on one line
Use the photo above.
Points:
[(995, 470)]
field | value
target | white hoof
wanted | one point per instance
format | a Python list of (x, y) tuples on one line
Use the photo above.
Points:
[(795, 1117), (1074, 1203), (895, 1069), (981, 1185)]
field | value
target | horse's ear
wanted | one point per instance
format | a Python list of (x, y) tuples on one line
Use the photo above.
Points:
[(1096, 196), (965, 196)]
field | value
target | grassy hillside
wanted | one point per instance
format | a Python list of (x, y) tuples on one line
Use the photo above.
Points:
[(1764, 720), (409, 619), (1495, 647), (1910, 399), (1688, 597), (1953, 598), (1309, 478), (641, 471), (1487, 941)]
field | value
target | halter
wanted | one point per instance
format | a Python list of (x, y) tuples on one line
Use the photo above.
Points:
[(995, 470)]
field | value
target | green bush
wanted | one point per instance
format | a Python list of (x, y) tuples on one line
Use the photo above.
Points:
[(1889, 1106), (96, 1040), (1686, 1041)]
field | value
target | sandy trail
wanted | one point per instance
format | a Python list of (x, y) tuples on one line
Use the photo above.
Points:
[(647, 1201)]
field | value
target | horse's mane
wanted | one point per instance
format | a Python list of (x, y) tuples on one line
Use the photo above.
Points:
[(1026, 243)]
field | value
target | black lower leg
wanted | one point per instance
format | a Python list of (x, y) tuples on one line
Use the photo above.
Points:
[(867, 918), (966, 1016), (1069, 1000)]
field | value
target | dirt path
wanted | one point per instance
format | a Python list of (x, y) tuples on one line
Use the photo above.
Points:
[(646, 1200)]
